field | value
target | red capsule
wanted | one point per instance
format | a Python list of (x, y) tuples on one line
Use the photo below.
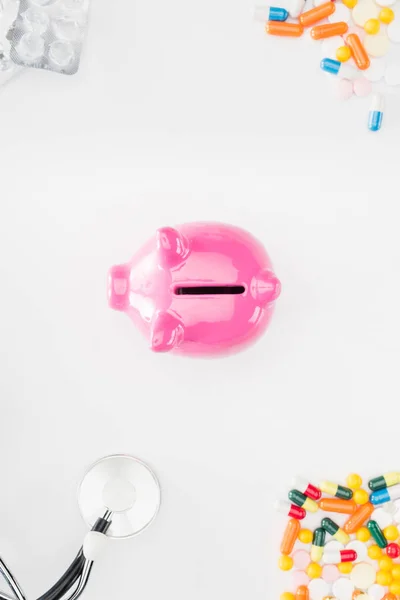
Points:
[(291, 510), (308, 489)]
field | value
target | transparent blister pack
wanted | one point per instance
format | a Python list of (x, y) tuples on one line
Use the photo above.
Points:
[(49, 34), (8, 14)]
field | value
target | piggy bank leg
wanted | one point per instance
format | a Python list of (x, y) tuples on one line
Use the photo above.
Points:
[(167, 332)]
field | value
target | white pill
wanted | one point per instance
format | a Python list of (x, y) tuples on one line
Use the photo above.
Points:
[(342, 13), (392, 74), (376, 592), (382, 517), (318, 589), (329, 47), (375, 72), (377, 45), (363, 11), (31, 47), (333, 546), (343, 589), (393, 31), (360, 548), (390, 507), (363, 575), (385, 2)]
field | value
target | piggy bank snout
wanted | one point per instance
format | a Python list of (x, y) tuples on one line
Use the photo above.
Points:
[(267, 286), (118, 287)]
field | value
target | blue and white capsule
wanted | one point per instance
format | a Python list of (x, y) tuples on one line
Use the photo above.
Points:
[(374, 124), (270, 13), (393, 492), (334, 67)]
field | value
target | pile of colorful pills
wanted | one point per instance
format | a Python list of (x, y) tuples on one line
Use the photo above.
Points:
[(352, 552), (357, 43)]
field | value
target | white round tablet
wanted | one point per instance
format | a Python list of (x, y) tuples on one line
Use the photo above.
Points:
[(392, 74), (390, 507), (376, 592), (363, 11), (377, 45), (363, 575), (329, 47), (393, 31), (385, 2), (333, 546), (360, 548), (381, 516), (343, 589), (318, 589), (342, 13)]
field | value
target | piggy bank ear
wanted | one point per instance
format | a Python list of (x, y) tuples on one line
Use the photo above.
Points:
[(267, 286), (167, 332), (172, 247)]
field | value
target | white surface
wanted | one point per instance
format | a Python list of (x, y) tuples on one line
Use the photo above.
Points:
[(187, 111)]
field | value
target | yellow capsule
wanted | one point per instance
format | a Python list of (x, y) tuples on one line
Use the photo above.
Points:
[(316, 553), (374, 552), (305, 536), (350, 3), (345, 568), (396, 572), (354, 481), (363, 534), (386, 15), (372, 26), (394, 588), (287, 596), (391, 533), (314, 571), (385, 563), (285, 562), (384, 578), (310, 505), (360, 497)]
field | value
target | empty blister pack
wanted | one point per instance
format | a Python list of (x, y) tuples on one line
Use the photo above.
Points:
[(8, 14), (49, 34)]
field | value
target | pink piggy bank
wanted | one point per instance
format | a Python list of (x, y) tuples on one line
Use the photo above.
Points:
[(199, 289)]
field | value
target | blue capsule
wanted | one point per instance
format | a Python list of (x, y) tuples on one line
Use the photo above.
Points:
[(380, 496), (278, 14), (374, 124), (270, 13), (334, 67)]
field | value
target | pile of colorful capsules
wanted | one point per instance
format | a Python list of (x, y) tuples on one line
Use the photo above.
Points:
[(356, 34), (353, 552)]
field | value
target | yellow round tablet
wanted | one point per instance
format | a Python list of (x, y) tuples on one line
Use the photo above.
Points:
[(305, 536), (363, 534), (350, 4), (354, 481), (360, 497), (343, 53), (372, 26), (285, 562), (386, 15)]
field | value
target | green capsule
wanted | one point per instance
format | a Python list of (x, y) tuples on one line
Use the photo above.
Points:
[(334, 489), (297, 497), (377, 534), (329, 525), (319, 537), (386, 480), (344, 493)]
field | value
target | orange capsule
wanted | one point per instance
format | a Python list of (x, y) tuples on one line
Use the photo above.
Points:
[(360, 55), (358, 518), (389, 596), (302, 593), (290, 536), (321, 32), (284, 29), (316, 14), (337, 505)]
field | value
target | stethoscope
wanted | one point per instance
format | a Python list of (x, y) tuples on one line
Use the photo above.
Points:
[(119, 497)]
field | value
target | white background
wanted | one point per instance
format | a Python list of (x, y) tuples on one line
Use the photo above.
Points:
[(185, 111)]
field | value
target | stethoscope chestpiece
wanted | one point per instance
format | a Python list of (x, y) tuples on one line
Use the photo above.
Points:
[(123, 488)]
